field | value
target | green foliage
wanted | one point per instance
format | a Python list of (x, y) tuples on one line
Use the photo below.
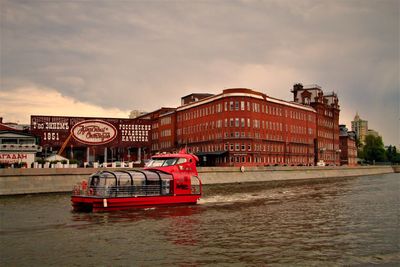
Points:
[(373, 149), (358, 143), (392, 154), (42, 161), (73, 161)]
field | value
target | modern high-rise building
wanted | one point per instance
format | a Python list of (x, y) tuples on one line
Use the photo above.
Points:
[(360, 127)]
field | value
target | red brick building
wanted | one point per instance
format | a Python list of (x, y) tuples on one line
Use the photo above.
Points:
[(238, 127), (327, 121), (244, 127), (348, 148)]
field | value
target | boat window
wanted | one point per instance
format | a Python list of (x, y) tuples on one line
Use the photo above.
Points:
[(162, 162), (155, 163), (181, 160), (124, 178), (152, 175), (170, 162), (107, 179), (94, 181)]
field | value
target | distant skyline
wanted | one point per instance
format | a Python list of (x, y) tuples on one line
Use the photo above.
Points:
[(100, 58)]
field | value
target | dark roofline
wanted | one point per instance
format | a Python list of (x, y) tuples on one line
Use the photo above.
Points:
[(17, 132), (203, 94)]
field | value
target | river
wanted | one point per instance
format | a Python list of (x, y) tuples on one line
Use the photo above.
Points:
[(342, 221)]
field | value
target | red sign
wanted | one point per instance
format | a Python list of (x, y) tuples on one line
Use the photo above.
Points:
[(16, 157), (54, 131), (94, 132)]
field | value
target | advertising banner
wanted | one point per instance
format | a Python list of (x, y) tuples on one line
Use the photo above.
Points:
[(79, 131)]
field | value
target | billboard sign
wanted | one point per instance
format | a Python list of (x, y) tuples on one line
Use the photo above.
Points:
[(53, 131), (94, 132)]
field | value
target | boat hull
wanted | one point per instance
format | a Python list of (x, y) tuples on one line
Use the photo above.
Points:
[(98, 204)]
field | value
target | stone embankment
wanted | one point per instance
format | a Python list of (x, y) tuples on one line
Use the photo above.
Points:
[(27, 181)]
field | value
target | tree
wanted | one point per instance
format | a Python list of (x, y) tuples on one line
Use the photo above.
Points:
[(392, 155), (358, 143), (373, 149)]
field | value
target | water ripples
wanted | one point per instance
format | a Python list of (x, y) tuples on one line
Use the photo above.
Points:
[(343, 222)]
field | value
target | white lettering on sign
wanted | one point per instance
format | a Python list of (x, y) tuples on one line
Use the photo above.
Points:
[(57, 126), (47, 136), (94, 132), (134, 132)]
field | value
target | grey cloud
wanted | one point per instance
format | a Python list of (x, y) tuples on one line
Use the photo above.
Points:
[(134, 54)]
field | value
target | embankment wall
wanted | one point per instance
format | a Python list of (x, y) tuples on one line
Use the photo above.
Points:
[(27, 181)]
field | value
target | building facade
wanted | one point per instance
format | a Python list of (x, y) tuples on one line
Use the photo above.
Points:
[(248, 128), (360, 127), (237, 127), (92, 139), (348, 148), (17, 146), (327, 121)]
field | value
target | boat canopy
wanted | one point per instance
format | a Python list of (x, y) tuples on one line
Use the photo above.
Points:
[(128, 178), (130, 182)]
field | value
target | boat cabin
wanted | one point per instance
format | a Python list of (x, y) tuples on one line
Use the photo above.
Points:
[(129, 183), (166, 174), (167, 179)]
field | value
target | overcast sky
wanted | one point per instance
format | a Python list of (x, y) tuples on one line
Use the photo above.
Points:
[(105, 58)]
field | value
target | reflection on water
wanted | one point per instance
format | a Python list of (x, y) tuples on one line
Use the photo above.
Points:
[(342, 222)]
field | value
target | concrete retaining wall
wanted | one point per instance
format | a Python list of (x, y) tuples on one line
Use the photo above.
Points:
[(25, 181), (222, 175)]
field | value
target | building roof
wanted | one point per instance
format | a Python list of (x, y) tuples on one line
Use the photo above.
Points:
[(246, 93), (7, 127)]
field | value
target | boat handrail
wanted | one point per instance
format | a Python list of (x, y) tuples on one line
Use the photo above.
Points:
[(200, 185), (126, 190)]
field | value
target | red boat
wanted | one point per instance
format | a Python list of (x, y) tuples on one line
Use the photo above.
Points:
[(167, 179)]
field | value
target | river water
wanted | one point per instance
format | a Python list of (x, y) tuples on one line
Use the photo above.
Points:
[(343, 221)]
